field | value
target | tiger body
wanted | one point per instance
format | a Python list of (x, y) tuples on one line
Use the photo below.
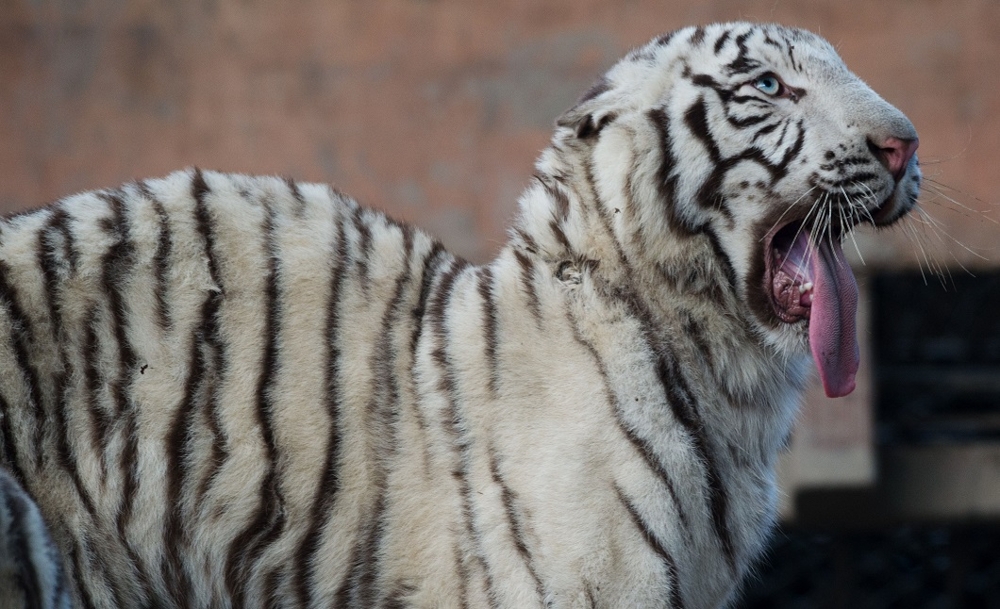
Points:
[(238, 391)]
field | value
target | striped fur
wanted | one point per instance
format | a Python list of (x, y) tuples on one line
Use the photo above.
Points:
[(226, 391)]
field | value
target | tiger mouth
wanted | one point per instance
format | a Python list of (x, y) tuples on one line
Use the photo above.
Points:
[(807, 278)]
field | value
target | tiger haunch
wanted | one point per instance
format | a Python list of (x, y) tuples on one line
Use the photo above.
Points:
[(232, 391)]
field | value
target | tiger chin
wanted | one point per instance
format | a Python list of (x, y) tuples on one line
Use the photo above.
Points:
[(233, 391)]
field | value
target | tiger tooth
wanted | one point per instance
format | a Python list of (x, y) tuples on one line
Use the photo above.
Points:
[(805, 287)]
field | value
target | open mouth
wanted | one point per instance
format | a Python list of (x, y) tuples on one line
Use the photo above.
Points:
[(808, 278)]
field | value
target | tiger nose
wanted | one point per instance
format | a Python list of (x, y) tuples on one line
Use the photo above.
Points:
[(895, 153)]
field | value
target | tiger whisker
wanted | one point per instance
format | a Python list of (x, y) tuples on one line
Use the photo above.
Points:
[(787, 209)]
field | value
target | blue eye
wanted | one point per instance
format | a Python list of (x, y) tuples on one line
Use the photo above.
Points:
[(768, 84)]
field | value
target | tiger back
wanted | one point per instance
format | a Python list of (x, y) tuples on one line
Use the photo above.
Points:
[(233, 391)]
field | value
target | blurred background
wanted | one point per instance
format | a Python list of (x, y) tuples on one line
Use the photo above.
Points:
[(434, 111)]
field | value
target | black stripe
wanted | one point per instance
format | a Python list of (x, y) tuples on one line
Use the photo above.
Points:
[(11, 460), (602, 213), (181, 429), (272, 589), (490, 331), (100, 420), (528, 284), (560, 237), (116, 264), (300, 201), (684, 407), (74, 550), (641, 445), (697, 37), (364, 246), (397, 599), (743, 64), (765, 130), (515, 524), (329, 482), (211, 350), (19, 337), (529, 242), (721, 41), (161, 265), (453, 422), (676, 601), (666, 179), (269, 521), (722, 257), (50, 263), (696, 333), (664, 39), (430, 270), (383, 413), (748, 121)]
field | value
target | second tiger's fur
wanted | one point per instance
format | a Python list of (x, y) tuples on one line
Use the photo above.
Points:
[(231, 391)]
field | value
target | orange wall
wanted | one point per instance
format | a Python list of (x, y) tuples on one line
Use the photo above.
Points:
[(432, 109)]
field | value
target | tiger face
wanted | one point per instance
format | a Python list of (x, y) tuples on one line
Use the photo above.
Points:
[(772, 148)]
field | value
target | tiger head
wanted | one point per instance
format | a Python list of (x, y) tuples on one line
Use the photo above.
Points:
[(759, 138)]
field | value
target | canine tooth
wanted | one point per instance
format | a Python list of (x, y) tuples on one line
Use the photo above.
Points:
[(805, 287)]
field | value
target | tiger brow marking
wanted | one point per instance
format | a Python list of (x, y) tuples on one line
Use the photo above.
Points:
[(329, 482), (642, 446), (684, 407), (490, 331), (721, 41), (697, 37), (666, 182), (676, 601), (742, 64), (384, 408), (453, 423), (514, 522), (265, 528)]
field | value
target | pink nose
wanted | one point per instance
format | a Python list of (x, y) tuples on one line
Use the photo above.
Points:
[(896, 154)]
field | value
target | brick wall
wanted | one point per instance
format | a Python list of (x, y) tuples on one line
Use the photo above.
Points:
[(431, 109)]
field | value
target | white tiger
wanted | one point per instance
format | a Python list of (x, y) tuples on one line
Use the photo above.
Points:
[(230, 391)]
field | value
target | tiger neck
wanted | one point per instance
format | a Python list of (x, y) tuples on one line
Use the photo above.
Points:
[(678, 276)]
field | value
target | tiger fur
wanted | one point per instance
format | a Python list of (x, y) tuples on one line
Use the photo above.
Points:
[(232, 391)]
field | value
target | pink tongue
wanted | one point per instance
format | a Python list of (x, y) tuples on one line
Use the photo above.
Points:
[(832, 332)]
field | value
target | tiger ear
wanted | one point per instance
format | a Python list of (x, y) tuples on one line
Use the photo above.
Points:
[(588, 125), (590, 114)]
